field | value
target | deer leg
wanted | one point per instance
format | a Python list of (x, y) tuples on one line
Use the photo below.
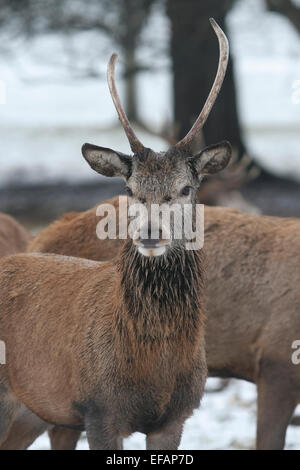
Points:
[(8, 408), (276, 405), (101, 435), (26, 428), (63, 438), (167, 439)]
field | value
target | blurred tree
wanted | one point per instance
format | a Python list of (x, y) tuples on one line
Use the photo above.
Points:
[(122, 21), (194, 51), (287, 8)]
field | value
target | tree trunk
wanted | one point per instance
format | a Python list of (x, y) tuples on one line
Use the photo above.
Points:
[(133, 15), (195, 53), (286, 8)]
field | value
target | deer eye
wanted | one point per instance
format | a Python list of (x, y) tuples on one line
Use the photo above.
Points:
[(185, 191), (128, 191)]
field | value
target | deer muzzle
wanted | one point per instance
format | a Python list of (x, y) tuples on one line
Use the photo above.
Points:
[(151, 240)]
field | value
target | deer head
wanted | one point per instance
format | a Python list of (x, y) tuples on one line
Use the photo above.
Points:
[(165, 179)]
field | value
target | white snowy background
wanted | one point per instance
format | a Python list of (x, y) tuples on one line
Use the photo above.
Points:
[(43, 123)]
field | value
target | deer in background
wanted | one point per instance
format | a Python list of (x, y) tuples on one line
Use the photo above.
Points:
[(13, 237), (116, 347), (253, 273)]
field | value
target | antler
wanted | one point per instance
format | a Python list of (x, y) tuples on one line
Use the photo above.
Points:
[(135, 144), (223, 61)]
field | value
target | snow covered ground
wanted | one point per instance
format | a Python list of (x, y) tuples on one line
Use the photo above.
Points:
[(225, 420)]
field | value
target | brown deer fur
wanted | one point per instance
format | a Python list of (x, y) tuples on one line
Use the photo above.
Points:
[(60, 381), (14, 239)]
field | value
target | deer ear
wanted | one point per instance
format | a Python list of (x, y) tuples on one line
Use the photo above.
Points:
[(107, 162), (212, 159)]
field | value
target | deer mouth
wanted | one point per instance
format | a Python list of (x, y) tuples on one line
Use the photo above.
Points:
[(154, 251), (151, 247)]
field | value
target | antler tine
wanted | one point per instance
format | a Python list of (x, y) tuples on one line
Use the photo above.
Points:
[(135, 144), (223, 61)]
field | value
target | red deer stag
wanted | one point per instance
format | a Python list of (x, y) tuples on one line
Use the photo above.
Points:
[(253, 302), (116, 347)]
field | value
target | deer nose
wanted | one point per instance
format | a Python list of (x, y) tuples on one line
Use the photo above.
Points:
[(146, 240)]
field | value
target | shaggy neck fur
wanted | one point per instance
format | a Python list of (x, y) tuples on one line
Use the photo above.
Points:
[(163, 302)]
